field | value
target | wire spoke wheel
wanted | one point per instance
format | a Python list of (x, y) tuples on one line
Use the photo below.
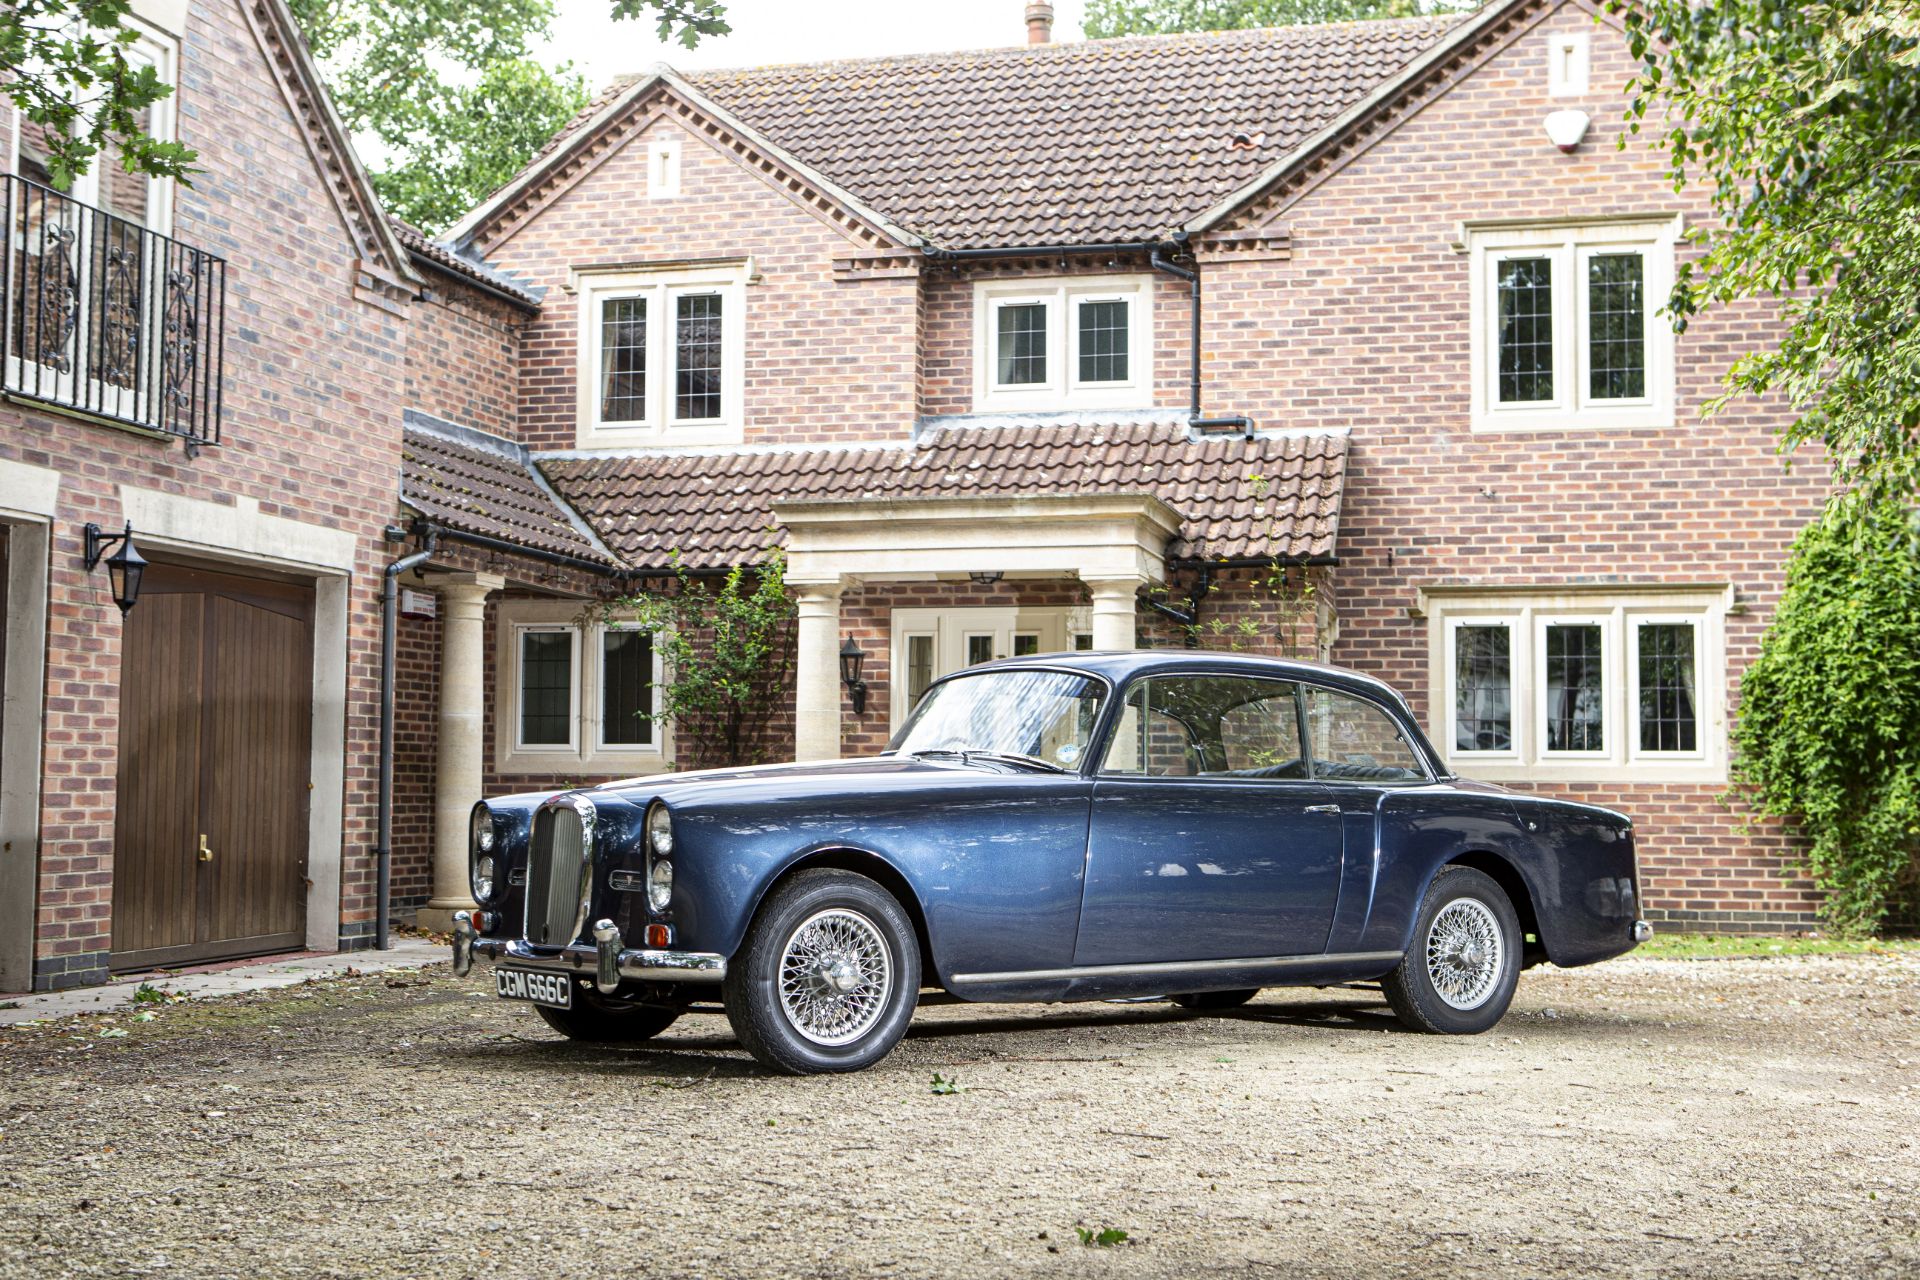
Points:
[(1466, 953), (835, 977)]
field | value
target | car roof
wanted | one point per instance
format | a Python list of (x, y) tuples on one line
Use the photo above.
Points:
[(1120, 665)]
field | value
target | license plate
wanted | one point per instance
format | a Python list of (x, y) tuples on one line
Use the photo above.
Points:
[(555, 990)]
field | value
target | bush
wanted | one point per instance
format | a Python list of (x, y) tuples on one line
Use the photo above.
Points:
[(1828, 732)]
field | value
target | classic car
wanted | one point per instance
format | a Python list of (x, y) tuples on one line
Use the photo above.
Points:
[(1076, 826)]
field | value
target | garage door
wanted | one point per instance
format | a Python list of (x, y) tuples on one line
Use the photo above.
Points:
[(216, 712)]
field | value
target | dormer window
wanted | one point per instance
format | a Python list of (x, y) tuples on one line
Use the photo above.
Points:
[(1079, 342), (661, 357)]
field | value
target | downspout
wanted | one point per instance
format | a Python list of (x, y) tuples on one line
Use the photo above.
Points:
[(383, 847), (1195, 420)]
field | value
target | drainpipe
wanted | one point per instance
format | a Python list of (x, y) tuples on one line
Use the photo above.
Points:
[(389, 607), (1195, 420)]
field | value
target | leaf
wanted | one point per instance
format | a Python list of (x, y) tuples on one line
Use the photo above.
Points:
[(944, 1086)]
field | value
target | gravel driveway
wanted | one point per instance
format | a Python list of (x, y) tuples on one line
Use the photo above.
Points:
[(1640, 1118)]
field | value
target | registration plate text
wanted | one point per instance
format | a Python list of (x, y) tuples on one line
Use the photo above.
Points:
[(554, 990)]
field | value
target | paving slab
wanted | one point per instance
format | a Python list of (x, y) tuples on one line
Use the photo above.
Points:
[(258, 975)]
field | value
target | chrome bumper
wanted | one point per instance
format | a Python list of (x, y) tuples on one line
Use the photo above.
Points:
[(1642, 931), (608, 960)]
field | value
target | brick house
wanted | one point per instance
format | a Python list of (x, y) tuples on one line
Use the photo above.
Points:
[(1312, 338)]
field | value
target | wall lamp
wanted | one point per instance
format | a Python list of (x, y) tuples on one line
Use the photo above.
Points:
[(851, 660), (985, 577), (125, 567)]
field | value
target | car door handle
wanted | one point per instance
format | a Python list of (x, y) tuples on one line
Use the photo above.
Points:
[(1323, 808)]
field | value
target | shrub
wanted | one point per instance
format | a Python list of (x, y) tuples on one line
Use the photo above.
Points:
[(1828, 732)]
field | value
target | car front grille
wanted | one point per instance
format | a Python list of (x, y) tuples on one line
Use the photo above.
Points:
[(558, 863)]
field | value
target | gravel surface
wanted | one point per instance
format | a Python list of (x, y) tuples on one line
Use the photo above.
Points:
[(1639, 1118)]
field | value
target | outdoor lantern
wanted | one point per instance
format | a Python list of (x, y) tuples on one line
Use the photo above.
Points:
[(125, 567), (851, 659), (985, 577)]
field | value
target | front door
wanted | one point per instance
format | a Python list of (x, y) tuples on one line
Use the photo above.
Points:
[(930, 643), (1207, 840), (216, 707)]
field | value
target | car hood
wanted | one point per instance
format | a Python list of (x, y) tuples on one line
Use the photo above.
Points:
[(871, 772)]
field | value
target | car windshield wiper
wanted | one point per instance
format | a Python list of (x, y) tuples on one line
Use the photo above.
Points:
[(967, 757)]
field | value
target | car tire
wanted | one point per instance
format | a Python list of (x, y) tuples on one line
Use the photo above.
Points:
[(1215, 1001), (595, 1022), (828, 977), (1459, 975)]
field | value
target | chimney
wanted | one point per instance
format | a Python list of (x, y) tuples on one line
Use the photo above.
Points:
[(1039, 22)]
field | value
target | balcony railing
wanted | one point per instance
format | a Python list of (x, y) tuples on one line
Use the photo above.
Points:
[(110, 319)]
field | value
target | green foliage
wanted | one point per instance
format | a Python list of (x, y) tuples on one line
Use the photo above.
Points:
[(728, 653), (1828, 734), (64, 64), (688, 21), (1802, 123), (1154, 17), (1104, 1238), (945, 1087)]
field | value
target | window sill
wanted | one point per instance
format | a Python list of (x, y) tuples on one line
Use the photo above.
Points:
[(646, 437), (568, 763), (1646, 772), (1647, 419)]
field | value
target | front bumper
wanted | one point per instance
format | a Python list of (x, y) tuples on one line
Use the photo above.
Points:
[(608, 959)]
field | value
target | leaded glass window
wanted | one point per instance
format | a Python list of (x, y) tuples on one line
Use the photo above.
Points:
[(1576, 696), (919, 668), (1668, 721), (1022, 343), (1483, 688), (1103, 341), (1616, 327), (546, 688), (1525, 287), (623, 360), (626, 688), (697, 351)]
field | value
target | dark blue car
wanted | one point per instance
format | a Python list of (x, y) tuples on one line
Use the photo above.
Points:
[(1078, 826)]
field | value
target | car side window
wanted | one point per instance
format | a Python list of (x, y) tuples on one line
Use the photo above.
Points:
[(1355, 741), (1209, 727)]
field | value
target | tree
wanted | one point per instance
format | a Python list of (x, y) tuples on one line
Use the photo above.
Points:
[(1802, 122), (445, 95), (1154, 17), (728, 651), (64, 64), (1828, 735)]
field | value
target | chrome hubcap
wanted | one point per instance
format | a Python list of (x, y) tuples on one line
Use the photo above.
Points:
[(835, 976), (1465, 953)]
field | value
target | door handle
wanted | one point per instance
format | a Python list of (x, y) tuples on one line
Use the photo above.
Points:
[(1312, 808), (206, 854)]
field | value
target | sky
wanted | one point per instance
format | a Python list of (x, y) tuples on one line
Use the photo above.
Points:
[(766, 31)]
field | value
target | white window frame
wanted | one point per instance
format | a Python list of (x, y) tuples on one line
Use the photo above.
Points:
[(571, 747), (1569, 244), (1063, 388), (662, 289), (587, 753), (1620, 611), (950, 629)]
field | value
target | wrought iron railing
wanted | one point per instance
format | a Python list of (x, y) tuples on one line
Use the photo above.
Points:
[(108, 318)]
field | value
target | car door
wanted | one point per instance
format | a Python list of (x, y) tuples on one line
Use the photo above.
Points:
[(1207, 839)]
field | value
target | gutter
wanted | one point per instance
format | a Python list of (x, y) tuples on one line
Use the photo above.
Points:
[(1195, 419)]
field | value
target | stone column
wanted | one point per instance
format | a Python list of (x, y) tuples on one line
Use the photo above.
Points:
[(816, 697), (1114, 604), (460, 760)]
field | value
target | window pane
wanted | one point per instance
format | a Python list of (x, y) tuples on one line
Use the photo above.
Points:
[(1483, 688), (1575, 698), (696, 392), (546, 688), (623, 359), (1022, 344), (626, 688), (1025, 645), (1616, 327), (1667, 718), (979, 649), (1525, 288), (1355, 741), (919, 667), (1103, 341), (1083, 641)]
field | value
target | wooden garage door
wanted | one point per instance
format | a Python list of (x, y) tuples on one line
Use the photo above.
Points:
[(216, 711)]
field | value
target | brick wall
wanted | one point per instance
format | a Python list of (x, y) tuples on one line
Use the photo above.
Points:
[(463, 352), (1367, 328)]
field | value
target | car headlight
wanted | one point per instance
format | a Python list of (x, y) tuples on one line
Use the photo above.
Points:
[(660, 885), (483, 877), (660, 830), (482, 829), (481, 867)]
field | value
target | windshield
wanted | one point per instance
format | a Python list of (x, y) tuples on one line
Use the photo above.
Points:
[(1047, 716)]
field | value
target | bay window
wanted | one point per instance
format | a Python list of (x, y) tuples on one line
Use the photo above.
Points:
[(1565, 325), (1583, 685)]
